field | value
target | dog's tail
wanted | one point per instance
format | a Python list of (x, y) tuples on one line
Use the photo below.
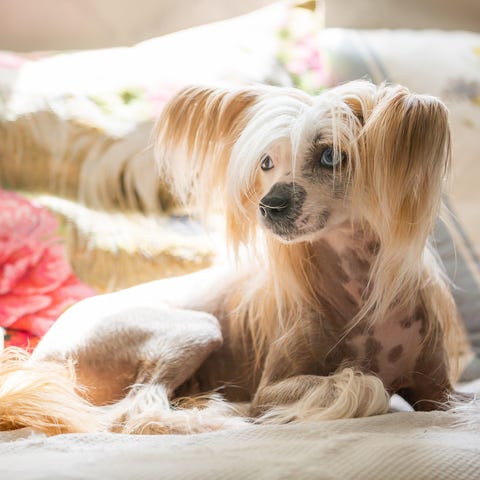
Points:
[(42, 395)]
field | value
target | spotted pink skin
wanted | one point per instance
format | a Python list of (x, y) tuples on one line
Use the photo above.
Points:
[(396, 350)]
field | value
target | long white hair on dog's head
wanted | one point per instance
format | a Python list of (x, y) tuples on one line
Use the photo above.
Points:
[(209, 145)]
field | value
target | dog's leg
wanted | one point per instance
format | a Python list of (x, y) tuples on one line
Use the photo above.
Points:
[(115, 345), (431, 390), (430, 386), (132, 357), (178, 342), (345, 394)]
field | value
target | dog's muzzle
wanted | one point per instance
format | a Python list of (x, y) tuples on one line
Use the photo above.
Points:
[(274, 208), (277, 203), (282, 206)]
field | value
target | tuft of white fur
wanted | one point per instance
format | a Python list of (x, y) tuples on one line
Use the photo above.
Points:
[(466, 408), (146, 410), (346, 394), (274, 118)]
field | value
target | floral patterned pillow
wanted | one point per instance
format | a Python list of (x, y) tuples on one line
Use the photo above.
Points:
[(36, 281)]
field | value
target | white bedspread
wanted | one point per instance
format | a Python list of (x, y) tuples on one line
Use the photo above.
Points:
[(403, 445)]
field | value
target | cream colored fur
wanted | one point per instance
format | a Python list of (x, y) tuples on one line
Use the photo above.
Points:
[(146, 410), (346, 394), (43, 396)]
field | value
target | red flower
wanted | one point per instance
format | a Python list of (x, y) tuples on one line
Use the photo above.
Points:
[(36, 282)]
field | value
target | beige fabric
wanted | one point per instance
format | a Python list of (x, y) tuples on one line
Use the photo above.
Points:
[(444, 14), (403, 445), (394, 446), (98, 24)]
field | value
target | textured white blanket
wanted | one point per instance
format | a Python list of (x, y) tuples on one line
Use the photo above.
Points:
[(402, 445)]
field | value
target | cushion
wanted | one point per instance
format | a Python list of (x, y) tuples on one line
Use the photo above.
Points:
[(397, 446)]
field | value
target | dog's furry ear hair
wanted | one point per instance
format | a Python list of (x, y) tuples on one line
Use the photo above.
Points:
[(194, 138), (397, 184)]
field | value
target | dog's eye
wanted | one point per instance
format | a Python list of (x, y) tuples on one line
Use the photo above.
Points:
[(267, 164), (329, 159)]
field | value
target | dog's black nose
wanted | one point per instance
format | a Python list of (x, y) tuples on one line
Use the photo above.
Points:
[(276, 203)]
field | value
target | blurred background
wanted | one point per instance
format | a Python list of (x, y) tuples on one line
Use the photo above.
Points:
[(27, 25)]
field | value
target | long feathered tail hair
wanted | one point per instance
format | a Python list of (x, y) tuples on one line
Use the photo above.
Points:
[(42, 395)]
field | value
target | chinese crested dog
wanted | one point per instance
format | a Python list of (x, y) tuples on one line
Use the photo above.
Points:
[(335, 299)]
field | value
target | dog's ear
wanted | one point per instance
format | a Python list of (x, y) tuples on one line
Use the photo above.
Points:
[(194, 138), (406, 143), (399, 178)]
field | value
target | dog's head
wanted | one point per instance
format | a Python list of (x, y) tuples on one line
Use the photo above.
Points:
[(302, 181), (300, 165)]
